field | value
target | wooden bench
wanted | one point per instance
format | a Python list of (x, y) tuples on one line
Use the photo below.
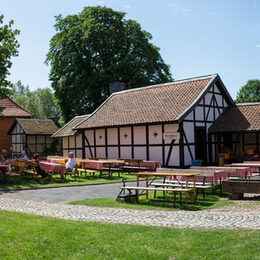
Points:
[(75, 173), (13, 174), (31, 171), (174, 190), (173, 184), (86, 171), (131, 168), (111, 170)]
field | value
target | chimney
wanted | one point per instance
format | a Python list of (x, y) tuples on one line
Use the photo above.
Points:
[(116, 87), (55, 120)]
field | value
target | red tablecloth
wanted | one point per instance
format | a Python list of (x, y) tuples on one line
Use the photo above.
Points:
[(242, 172), (52, 167), (53, 160), (91, 164), (218, 175), (152, 165)]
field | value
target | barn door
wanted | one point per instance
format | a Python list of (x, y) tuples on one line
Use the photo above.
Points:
[(201, 144)]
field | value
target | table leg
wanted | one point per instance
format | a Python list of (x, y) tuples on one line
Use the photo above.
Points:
[(137, 185), (194, 189), (146, 179), (187, 186), (61, 174)]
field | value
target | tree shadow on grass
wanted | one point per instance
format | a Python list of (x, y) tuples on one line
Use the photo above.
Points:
[(167, 202)]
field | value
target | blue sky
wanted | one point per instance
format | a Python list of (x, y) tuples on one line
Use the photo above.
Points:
[(195, 37)]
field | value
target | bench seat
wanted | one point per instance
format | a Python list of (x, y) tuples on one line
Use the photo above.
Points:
[(87, 171), (174, 190), (111, 170), (190, 185), (135, 168)]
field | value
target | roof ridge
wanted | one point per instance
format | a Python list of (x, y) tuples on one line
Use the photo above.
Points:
[(175, 82), (38, 119), (248, 104), (71, 122), (142, 88)]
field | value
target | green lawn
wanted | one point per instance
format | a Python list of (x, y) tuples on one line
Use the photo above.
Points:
[(33, 237), (162, 202), (27, 182)]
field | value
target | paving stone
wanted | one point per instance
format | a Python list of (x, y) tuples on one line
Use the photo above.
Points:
[(199, 219)]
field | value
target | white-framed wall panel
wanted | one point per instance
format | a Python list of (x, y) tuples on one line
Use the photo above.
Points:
[(90, 136), (171, 128), (126, 152), (155, 134), (112, 136), (188, 128), (125, 135), (175, 156), (140, 152), (139, 135), (155, 153), (112, 152)]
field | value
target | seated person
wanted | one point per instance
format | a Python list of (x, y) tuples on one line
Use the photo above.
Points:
[(71, 163), (23, 156), (45, 174), (4, 171), (4, 152)]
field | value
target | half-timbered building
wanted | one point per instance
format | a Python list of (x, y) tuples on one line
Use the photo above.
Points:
[(237, 131), (9, 111), (32, 136), (71, 140), (167, 122)]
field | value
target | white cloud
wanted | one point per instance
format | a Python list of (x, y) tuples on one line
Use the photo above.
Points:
[(126, 6), (258, 45), (211, 13)]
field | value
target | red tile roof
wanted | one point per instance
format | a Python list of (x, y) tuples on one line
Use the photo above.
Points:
[(11, 109), (243, 117), (159, 103), (67, 130)]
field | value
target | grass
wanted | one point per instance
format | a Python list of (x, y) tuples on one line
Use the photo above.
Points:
[(33, 237), (162, 202), (27, 182)]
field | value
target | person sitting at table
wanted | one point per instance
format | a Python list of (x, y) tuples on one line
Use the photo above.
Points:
[(71, 163), (3, 152), (46, 175), (23, 156), (4, 171)]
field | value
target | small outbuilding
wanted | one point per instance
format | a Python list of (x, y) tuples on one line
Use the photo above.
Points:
[(33, 136), (7, 117), (238, 131), (70, 139)]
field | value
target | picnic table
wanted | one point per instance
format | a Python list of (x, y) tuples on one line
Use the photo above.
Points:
[(101, 165), (255, 166), (242, 172), (152, 165), (146, 175), (53, 167)]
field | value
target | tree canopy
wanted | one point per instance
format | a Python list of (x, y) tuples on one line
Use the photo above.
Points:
[(250, 92), (96, 47), (8, 49), (41, 102)]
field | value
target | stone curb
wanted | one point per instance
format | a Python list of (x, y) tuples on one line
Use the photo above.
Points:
[(62, 186)]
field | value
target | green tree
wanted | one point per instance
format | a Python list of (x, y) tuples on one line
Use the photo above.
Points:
[(250, 92), (8, 49), (94, 48), (40, 102)]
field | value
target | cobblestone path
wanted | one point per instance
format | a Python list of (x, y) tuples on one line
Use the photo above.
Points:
[(190, 219)]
